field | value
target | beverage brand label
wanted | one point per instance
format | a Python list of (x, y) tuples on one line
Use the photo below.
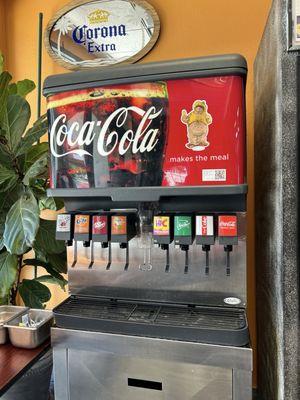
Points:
[(161, 226), (204, 225), (82, 223), (100, 225), (102, 32), (118, 225), (227, 225), (183, 226), (144, 139), (63, 223)]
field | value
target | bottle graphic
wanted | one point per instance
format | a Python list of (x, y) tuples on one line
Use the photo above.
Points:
[(109, 137)]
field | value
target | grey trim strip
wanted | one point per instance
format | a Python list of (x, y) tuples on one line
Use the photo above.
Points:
[(149, 193), (231, 64)]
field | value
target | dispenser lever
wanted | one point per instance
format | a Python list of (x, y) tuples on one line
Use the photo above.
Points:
[(109, 257)]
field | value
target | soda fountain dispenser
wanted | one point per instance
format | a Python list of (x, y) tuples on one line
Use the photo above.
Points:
[(150, 160)]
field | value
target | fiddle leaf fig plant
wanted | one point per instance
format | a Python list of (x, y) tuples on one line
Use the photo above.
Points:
[(26, 239)]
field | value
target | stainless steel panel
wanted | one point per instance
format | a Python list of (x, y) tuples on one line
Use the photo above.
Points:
[(156, 284), (61, 374), (97, 366), (105, 376), (155, 349), (242, 385)]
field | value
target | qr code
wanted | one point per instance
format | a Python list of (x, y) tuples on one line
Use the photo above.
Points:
[(213, 175)]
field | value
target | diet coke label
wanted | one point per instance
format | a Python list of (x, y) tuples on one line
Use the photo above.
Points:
[(204, 225), (75, 137), (227, 225)]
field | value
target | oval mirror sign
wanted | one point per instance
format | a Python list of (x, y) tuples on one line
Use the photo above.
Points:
[(88, 34)]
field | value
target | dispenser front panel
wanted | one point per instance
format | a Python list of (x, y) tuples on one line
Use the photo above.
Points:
[(183, 132)]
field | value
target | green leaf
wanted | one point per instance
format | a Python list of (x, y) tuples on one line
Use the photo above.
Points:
[(40, 255), (5, 78), (37, 169), (8, 272), (47, 203), (38, 263), (45, 238), (39, 129), (50, 203), (21, 225), (17, 118), (8, 178), (7, 199), (34, 293), (50, 279), (34, 153), (1, 62), (58, 261), (59, 203), (35, 262), (5, 158), (2, 222), (24, 87), (4, 300), (12, 89)]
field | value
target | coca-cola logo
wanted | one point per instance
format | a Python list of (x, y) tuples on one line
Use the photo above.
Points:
[(144, 139), (227, 224)]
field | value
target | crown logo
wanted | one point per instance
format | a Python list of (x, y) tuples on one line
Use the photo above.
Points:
[(97, 16)]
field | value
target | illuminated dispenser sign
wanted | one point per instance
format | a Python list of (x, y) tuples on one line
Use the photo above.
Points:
[(187, 131), (149, 134)]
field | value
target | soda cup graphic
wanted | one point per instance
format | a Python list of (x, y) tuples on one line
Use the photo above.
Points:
[(112, 136)]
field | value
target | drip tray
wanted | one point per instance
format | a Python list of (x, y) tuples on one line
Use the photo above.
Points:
[(213, 325)]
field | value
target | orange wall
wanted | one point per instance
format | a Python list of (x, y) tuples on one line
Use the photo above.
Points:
[(190, 28), (2, 27)]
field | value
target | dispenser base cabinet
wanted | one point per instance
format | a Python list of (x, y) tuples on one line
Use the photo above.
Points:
[(101, 366)]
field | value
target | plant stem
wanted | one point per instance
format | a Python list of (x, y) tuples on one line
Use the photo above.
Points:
[(15, 289)]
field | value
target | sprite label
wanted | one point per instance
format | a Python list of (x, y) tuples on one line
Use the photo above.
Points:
[(183, 226)]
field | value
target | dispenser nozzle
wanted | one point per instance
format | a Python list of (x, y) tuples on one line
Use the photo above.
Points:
[(206, 248), (228, 249)]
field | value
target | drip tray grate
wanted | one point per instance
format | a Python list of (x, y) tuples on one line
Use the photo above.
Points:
[(189, 323)]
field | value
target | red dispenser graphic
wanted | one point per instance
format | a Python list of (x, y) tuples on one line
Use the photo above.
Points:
[(184, 132)]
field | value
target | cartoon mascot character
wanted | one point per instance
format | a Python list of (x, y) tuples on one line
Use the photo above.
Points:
[(197, 122)]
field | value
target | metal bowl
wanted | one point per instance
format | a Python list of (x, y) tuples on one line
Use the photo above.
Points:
[(6, 314), (30, 337)]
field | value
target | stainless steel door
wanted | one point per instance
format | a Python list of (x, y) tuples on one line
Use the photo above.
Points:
[(103, 376)]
